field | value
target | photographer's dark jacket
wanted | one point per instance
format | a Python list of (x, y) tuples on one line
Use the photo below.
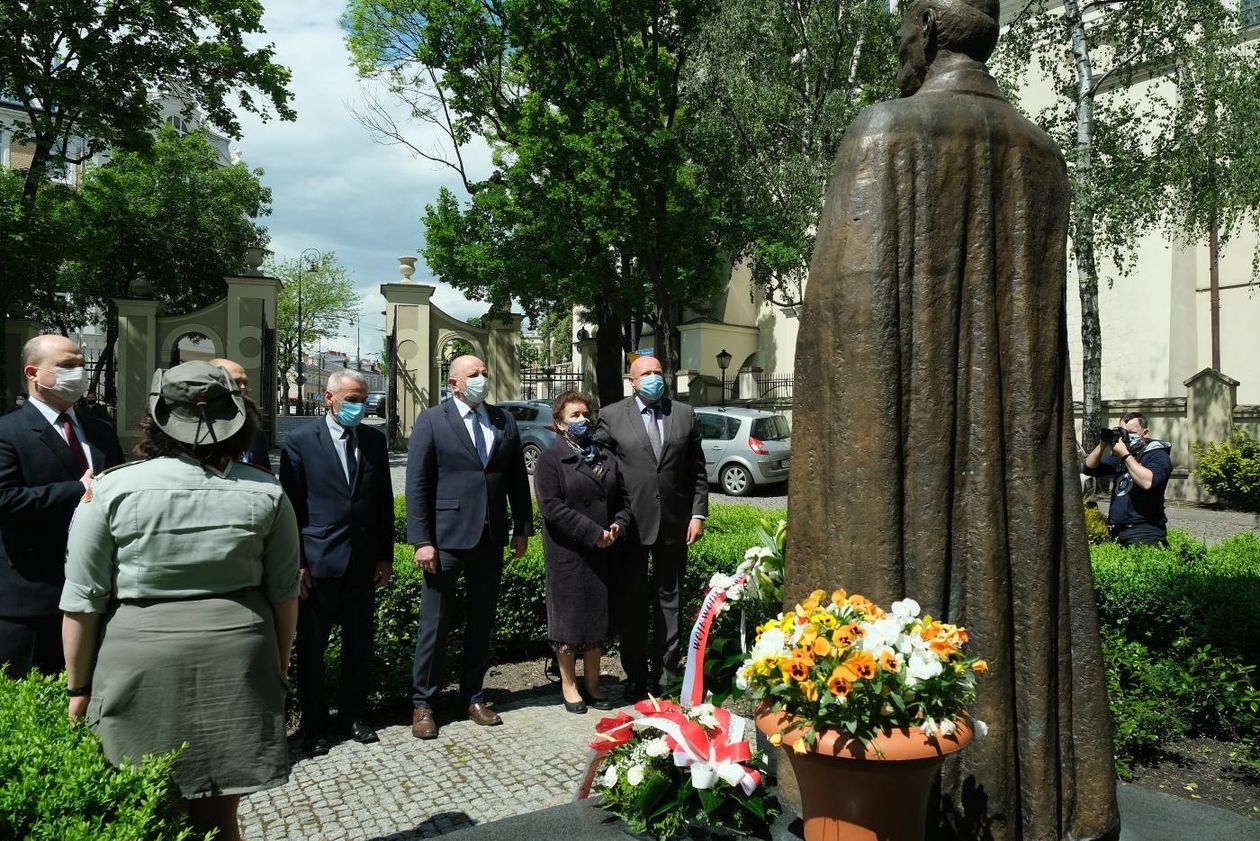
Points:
[(1131, 504)]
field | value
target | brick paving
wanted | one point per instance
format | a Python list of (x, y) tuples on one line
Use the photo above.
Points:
[(405, 788)]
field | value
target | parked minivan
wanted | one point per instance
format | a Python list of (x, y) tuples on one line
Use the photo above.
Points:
[(532, 419), (744, 448)]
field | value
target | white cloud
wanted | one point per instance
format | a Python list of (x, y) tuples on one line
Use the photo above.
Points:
[(332, 186)]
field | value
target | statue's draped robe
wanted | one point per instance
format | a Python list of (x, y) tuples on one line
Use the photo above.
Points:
[(934, 451)]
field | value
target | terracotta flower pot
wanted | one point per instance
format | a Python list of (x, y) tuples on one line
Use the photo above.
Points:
[(853, 793)]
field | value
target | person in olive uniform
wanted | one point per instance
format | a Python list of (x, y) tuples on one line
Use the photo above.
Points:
[(193, 557)]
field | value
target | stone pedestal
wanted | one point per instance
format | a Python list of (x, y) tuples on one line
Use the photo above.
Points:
[(250, 338), (17, 332), (415, 384), (503, 356)]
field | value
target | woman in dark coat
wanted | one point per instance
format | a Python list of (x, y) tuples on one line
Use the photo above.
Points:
[(585, 514)]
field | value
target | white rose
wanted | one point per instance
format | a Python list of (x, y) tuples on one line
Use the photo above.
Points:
[(741, 679), (981, 729), (720, 581), (657, 747), (634, 776), (701, 710), (610, 776), (735, 592)]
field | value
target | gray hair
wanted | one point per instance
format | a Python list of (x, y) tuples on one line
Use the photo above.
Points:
[(339, 377)]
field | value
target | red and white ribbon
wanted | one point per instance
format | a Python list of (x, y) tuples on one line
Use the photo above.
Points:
[(693, 677), (710, 755)]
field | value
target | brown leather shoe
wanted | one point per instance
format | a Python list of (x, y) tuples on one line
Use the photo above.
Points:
[(483, 715), (423, 725)]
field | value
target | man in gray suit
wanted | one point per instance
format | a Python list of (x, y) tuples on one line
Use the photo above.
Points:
[(657, 445), (464, 467)]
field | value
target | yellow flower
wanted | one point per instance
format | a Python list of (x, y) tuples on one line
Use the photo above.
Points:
[(825, 620), (980, 667), (808, 635), (821, 647), (809, 690), (800, 747), (798, 668), (888, 661), (847, 635), (859, 666), (838, 684), (839, 596), (776, 739)]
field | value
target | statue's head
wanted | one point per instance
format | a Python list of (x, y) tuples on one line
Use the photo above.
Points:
[(931, 27)]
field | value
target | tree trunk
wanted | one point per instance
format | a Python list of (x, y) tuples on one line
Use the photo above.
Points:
[(1083, 232)]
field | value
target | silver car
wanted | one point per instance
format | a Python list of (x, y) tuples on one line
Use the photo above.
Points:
[(744, 448)]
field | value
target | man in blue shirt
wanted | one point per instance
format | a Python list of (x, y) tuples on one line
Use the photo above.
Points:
[(1141, 466)]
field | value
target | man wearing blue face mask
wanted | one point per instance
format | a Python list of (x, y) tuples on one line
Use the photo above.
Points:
[(657, 445), (336, 473)]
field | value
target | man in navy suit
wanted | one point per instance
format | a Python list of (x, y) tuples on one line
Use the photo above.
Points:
[(464, 467), (336, 473), (48, 456)]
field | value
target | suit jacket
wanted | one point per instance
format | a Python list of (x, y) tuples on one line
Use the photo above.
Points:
[(259, 452), (664, 494), (343, 529), (451, 497), (39, 490)]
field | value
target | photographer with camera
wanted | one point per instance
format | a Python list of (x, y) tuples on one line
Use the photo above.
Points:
[(1141, 466)]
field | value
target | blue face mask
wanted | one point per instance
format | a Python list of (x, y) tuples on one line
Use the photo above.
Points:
[(651, 386), (579, 430), (350, 414)]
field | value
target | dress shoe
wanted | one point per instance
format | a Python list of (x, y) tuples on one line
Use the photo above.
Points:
[(634, 691), (483, 715), (423, 725), (596, 702), (578, 707), (316, 746), (363, 733)]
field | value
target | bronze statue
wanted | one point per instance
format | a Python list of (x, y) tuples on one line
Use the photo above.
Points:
[(935, 452)]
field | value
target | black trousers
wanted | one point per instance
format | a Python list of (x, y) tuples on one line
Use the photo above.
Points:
[(638, 595), (348, 601), (482, 568), (28, 642), (1140, 534)]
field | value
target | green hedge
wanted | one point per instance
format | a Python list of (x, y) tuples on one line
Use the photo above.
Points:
[(56, 785), (1181, 627)]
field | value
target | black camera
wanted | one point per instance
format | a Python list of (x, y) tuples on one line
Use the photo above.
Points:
[(1111, 436), (1135, 443)]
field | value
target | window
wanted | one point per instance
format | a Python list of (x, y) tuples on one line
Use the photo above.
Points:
[(1251, 12), (712, 427), (178, 123), (773, 428)]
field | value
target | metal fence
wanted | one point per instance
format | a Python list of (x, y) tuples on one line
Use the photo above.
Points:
[(546, 383), (772, 392)]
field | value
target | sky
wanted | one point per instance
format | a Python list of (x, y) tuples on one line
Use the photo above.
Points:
[(332, 186)]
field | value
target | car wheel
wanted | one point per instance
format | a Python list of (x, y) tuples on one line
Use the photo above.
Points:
[(531, 452), (736, 480)]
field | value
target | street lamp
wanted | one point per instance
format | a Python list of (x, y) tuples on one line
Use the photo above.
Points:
[(724, 362), (312, 258)]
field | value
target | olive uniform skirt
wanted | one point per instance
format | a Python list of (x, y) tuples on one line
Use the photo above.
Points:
[(203, 671)]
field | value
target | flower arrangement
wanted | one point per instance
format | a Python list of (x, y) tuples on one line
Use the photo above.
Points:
[(841, 662), (758, 580), (671, 769)]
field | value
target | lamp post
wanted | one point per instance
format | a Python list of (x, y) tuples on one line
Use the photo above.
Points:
[(724, 362), (312, 258)]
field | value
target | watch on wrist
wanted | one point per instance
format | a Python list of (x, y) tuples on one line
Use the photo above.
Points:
[(82, 692)]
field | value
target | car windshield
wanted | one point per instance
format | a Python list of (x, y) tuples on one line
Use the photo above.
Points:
[(773, 428)]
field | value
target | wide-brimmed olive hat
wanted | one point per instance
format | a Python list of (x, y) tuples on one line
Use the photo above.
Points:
[(196, 403)]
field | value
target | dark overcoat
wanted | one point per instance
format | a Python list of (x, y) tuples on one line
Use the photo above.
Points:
[(578, 502), (935, 451)]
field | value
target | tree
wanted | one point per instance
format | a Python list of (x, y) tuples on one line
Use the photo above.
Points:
[(773, 87), (1157, 114), (326, 294), (175, 216), (594, 197), (84, 75)]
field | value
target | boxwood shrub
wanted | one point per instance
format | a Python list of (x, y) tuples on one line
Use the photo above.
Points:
[(56, 785)]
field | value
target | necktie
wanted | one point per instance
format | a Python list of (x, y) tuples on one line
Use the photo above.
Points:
[(352, 463), (479, 437), (72, 440), (654, 432)]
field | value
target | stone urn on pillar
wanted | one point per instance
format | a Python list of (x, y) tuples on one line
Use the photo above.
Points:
[(406, 267)]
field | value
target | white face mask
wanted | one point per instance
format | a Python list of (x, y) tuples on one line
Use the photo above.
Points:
[(72, 383), (475, 389)]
